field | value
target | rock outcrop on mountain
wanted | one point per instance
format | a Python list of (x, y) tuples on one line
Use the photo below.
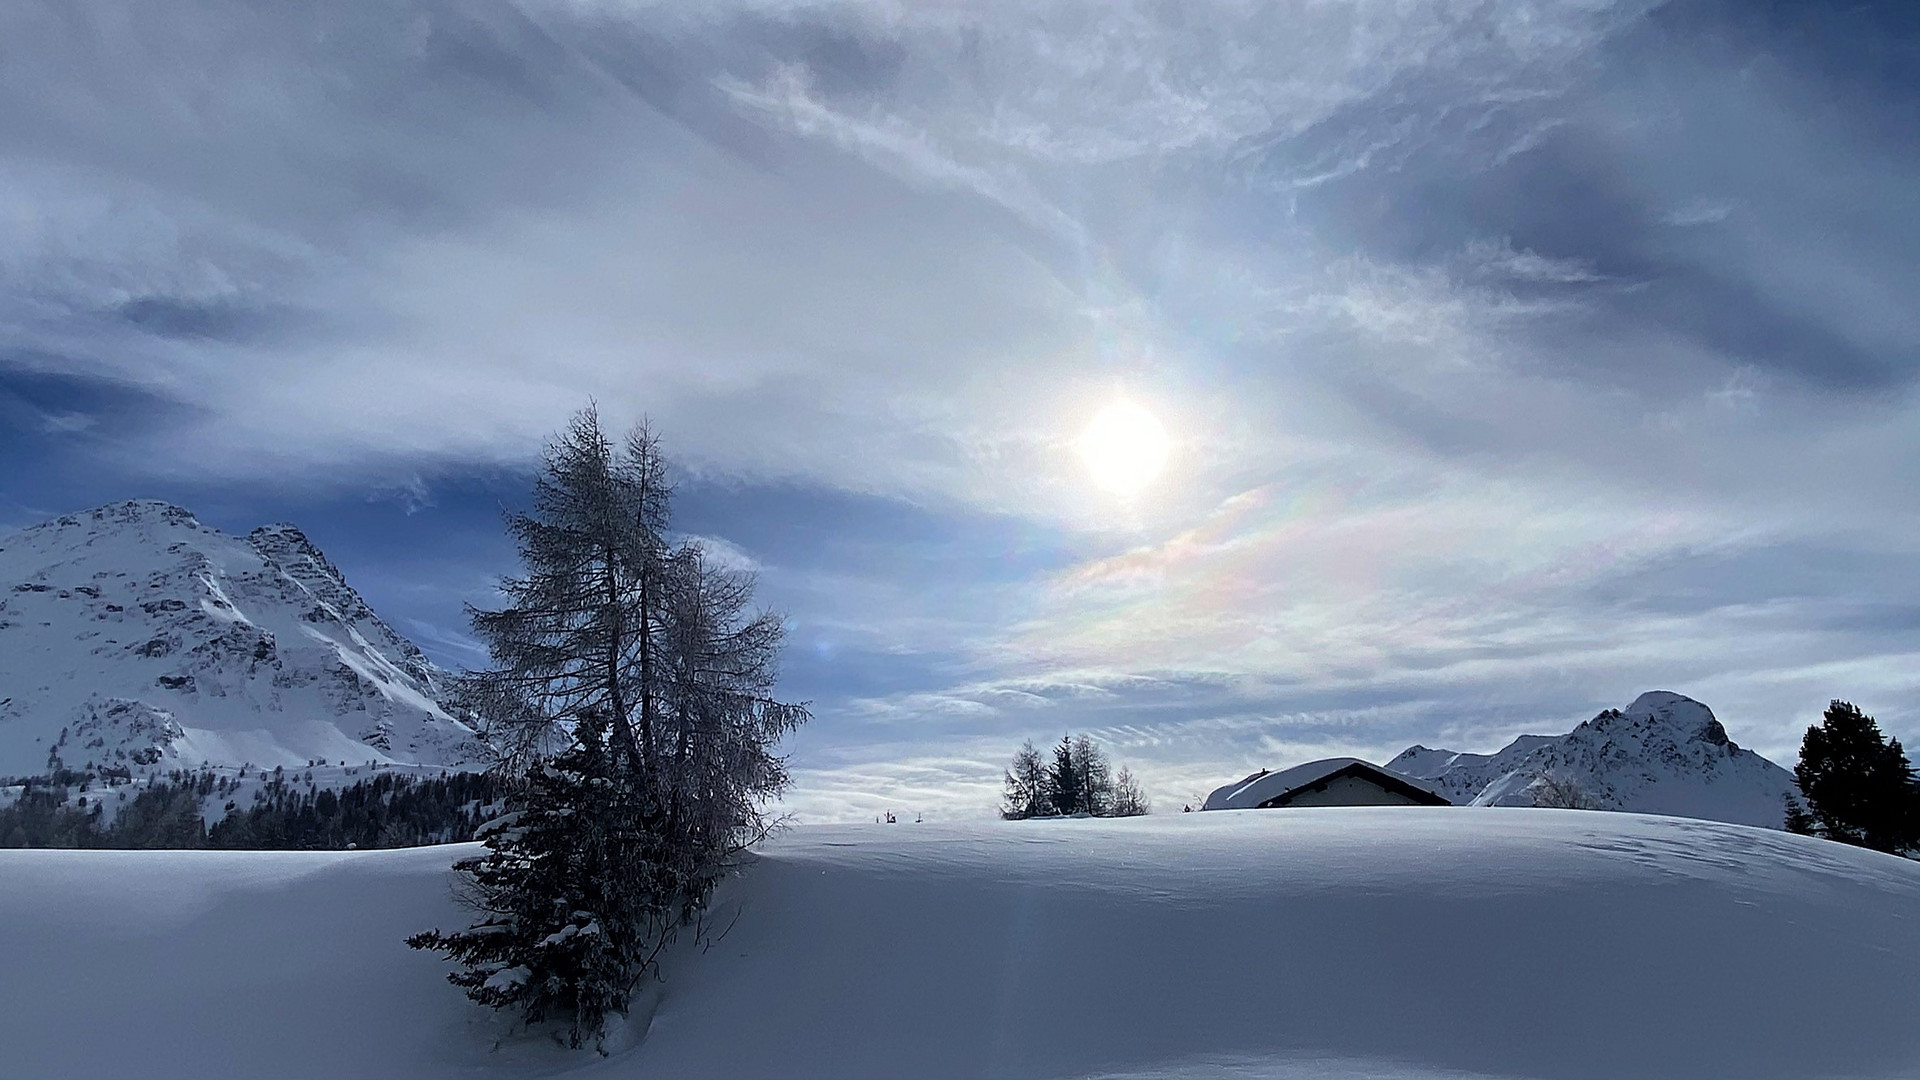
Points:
[(1663, 754), (133, 636)]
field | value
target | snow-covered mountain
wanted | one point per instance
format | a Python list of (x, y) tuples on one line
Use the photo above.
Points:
[(132, 635), (1663, 754)]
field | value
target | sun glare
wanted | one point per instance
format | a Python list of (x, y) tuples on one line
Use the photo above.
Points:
[(1124, 447)]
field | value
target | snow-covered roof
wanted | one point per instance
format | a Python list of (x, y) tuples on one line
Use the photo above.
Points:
[(1264, 786)]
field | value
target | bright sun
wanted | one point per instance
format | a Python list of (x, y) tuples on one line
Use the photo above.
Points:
[(1125, 447)]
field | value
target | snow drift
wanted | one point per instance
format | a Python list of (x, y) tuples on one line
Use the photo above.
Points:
[(1400, 942), (1663, 754)]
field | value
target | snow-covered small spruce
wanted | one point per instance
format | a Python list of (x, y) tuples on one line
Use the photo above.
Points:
[(559, 936), (632, 689)]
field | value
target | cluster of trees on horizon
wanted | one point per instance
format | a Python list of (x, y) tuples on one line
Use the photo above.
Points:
[(1075, 780), (631, 698), (384, 810), (1859, 787)]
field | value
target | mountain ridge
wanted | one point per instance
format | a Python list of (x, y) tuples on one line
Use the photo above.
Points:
[(1666, 753), (134, 636)]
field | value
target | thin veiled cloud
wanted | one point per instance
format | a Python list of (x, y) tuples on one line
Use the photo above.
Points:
[(1140, 90), (786, 99), (1067, 84)]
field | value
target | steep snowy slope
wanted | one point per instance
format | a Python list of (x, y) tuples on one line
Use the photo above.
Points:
[(132, 635), (1663, 754), (1401, 942)]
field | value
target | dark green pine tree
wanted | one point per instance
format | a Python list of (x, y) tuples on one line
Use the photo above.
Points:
[(1859, 786), (1799, 821), (1064, 778), (556, 938)]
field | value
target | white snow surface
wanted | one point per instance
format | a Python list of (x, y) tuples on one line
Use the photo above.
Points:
[(1258, 788), (1663, 754), (156, 642), (1403, 942)]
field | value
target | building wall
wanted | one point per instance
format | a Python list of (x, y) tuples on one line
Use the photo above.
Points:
[(1351, 791)]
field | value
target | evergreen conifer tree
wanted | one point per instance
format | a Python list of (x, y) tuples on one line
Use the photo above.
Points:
[(1859, 786), (1063, 779), (1798, 820), (556, 937)]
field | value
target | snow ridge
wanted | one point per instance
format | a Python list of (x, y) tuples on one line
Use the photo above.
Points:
[(1664, 754), (285, 546), (133, 636)]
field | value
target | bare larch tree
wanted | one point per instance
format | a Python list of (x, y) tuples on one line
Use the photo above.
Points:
[(640, 671)]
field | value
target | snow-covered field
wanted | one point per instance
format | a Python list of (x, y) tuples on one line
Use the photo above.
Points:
[(1352, 942)]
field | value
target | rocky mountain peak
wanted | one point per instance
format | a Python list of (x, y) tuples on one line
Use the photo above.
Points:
[(1665, 753), (1664, 714), (110, 517), (134, 635)]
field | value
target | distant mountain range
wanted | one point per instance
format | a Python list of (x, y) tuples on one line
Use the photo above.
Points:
[(1663, 754), (132, 635)]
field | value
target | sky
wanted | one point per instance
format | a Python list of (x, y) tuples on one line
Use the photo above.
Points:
[(1514, 358)]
